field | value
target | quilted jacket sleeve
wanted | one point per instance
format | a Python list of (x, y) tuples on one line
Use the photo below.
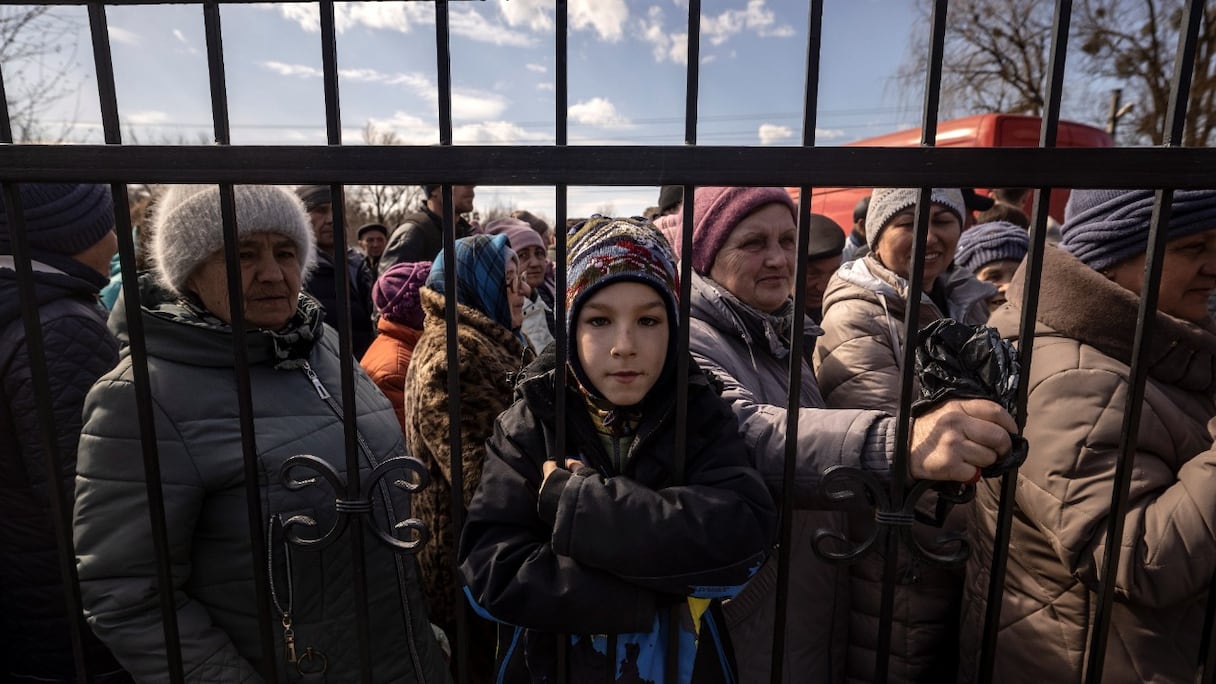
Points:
[(706, 537), (826, 437), (1169, 538), (79, 349), (856, 360), (509, 565), (115, 555)]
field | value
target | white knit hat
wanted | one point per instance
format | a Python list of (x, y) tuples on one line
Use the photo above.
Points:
[(187, 227), (885, 203)]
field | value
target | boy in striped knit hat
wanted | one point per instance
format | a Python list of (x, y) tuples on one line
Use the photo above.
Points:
[(606, 544)]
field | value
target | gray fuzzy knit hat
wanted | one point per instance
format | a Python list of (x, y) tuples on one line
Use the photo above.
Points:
[(1105, 227), (989, 242), (885, 203), (187, 228)]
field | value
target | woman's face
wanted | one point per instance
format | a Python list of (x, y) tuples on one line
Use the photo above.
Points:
[(270, 281), (894, 247), (1187, 279), (756, 264), (517, 291), (532, 262)]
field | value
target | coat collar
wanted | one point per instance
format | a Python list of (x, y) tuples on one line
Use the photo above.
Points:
[(1078, 302)]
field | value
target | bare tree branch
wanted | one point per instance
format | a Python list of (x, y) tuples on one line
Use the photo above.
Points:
[(38, 54)]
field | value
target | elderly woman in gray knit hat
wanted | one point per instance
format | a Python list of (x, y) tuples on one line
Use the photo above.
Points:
[(743, 260), (1079, 384), (294, 377)]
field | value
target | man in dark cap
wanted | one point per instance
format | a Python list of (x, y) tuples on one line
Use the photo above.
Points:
[(372, 239), (323, 284), (671, 198), (70, 233), (823, 256), (420, 235), (974, 202), (856, 246)]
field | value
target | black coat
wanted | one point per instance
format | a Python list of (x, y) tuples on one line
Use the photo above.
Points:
[(34, 629), (323, 286), (608, 552)]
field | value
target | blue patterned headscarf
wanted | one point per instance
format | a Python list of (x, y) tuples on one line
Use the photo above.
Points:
[(481, 276)]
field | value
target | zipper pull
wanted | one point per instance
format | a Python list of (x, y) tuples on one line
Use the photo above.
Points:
[(289, 638), (316, 382)]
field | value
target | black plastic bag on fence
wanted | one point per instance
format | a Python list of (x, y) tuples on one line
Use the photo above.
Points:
[(959, 361)]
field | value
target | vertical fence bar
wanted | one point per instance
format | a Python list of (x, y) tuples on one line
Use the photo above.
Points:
[(561, 123), (139, 357), (1030, 308), (61, 507), (1184, 66), (333, 128), (797, 356), (899, 474), (691, 90), (253, 498), (443, 63)]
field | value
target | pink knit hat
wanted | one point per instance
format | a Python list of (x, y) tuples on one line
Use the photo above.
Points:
[(518, 233), (717, 210), (396, 293)]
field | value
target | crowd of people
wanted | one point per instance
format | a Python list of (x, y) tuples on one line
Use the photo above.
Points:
[(595, 557)]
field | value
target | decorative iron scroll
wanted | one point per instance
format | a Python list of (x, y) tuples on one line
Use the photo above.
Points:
[(844, 484), (419, 534)]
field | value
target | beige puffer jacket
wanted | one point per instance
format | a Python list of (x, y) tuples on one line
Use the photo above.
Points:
[(1079, 383), (857, 363)]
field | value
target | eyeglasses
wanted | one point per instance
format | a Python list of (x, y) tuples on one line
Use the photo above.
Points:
[(514, 283)]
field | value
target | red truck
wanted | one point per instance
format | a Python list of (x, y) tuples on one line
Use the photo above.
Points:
[(981, 130)]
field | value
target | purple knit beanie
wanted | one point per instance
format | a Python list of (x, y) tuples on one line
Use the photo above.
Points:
[(717, 210), (518, 233), (988, 242), (396, 292), (61, 218), (1105, 227)]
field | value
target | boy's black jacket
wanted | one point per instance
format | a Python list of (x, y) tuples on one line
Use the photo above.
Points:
[(607, 552)]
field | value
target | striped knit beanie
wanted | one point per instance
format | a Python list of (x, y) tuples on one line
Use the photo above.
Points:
[(988, 242), (606, 250), (1105, 227)]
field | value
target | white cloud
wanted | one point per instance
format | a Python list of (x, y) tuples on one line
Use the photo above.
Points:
[(597, 112), (498, 133), (546, 85), (535, 14), (757, 17), (186, 46), (296, 70), (664, 46), (822, 134), (123, 36), (148, 117), (606, 17), (474, 26), (467, 103), (401, 17), (772, 133), (410, 129), (538, 68)]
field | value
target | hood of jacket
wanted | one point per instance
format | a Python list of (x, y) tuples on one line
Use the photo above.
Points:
[(866, 278), (715, 305), (1180, 353), (50, 284), (178, 331)]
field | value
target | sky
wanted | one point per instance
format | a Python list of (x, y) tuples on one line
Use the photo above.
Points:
[(626, 65)]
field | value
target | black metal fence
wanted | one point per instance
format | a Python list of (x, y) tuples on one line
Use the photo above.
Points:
[(1166, 169)]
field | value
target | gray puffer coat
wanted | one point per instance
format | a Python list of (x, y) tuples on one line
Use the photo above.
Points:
[(857, 363), (296, 389), (749, 353)]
